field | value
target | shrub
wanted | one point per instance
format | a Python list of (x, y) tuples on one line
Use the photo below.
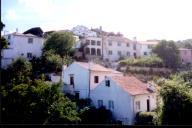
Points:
[(148, 61), (145, 118)]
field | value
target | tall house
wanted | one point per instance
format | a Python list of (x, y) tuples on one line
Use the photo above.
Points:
[(117, 47), (21, 45)]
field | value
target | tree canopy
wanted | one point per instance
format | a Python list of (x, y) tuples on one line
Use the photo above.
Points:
[(4, 43), (168, 52), (148, 61), (177, 101), (60, 42)]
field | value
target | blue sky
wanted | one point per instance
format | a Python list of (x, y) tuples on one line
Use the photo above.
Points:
[(145, 19)]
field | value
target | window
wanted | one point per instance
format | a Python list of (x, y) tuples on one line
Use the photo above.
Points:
[(9, 37), (88, 42), (111, 104), (145, 53), (137, 105), (100, 103), (107, 83), (92, 42), (128, 53), (149, 46), (110, 52), (119, 44), (96, 79), (22, 54), (110, 43), (127, 44), (71, 79), (87, 50), (98, 52), (134, 46), (98, 43), (29, 55), (92, 51), (119, 53), (30, 40)]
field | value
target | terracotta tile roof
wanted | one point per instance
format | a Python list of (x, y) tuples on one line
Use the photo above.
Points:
[(96, 67), (131, 85), (148, 42)]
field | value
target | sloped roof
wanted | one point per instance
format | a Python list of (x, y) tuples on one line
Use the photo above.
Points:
[(35, 31), (131, 85), (96, 67), (148, 42), (20, 34)]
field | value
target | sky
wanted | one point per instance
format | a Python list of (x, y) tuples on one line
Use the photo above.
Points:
[(143, 19)]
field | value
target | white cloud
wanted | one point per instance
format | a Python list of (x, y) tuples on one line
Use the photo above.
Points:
[(11, 15), (41, 8)]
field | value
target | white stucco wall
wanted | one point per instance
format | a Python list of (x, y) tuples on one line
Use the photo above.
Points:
[(143, 102), (19, 45), (115, 48), (81, 79), (102, 76), (123, 102)]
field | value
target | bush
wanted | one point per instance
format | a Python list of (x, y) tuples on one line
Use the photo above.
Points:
[(145, 118), (148, 61)]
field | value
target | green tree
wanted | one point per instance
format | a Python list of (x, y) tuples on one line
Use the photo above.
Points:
[(60, 42), (52, 61), (168, 52), (4, 43), (177, 102), (20, 70), (37, 102)]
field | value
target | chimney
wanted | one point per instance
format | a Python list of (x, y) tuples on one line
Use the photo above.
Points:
[(16, 30), (90, 64), (100, 28)]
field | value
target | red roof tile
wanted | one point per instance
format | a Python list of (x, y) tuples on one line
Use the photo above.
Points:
[(148, 42), (96, 67), (131, 85)]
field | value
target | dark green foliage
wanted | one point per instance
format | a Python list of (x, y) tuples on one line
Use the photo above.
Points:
[(177, 101), (20, 71), (52, 61), (60, 42), (91, 115), (168, 52), (145, 118), (148, 61), (185, 43), (4, 43), (37, 103)]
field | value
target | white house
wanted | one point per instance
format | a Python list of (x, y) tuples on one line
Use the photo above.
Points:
[(144, 48), (21, 45), (80, 77), (116, 47), (83, 31), (124, 96)]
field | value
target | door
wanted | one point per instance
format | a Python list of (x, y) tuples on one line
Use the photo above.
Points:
[(76, 95), (148, 105)]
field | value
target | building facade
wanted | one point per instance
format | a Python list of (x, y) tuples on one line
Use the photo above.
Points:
[(21, 45), (124, 96), (144, 48), (185, 55), (80, 77), (117, 47)]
